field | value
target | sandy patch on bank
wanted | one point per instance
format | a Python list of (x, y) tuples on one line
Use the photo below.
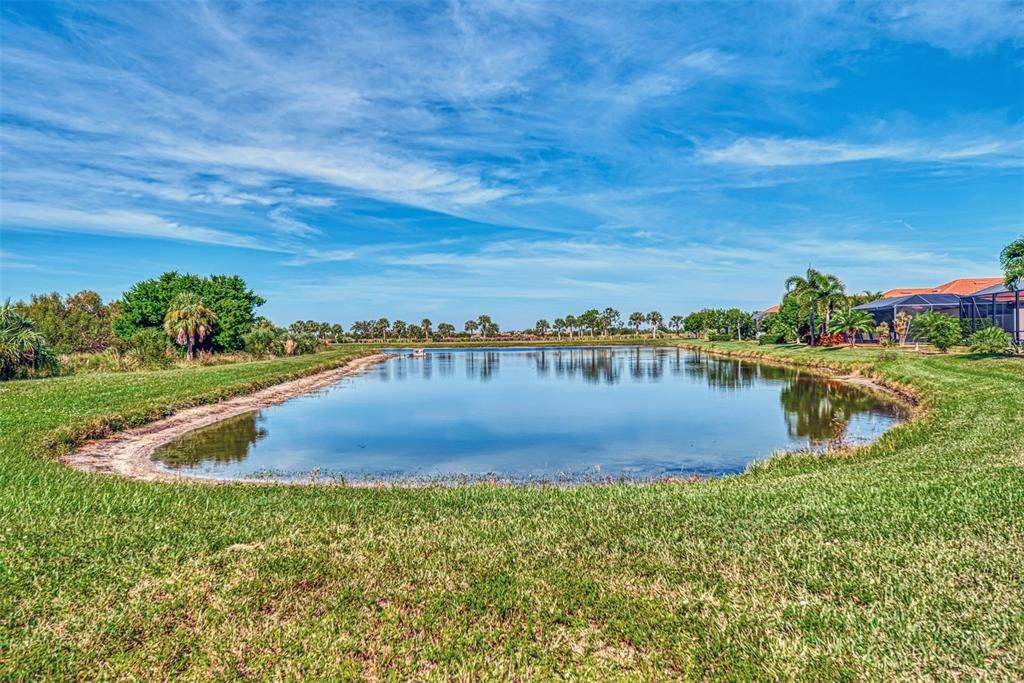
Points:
[(130, 453)]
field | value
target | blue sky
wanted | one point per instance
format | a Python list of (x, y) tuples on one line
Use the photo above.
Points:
[(521, 159)]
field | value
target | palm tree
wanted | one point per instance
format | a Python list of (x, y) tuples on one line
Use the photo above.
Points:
[(1012, 260), (399, 328), (471, 326), (337, 331), (381, 328), (559, 325), (486, 324), (817, 292), (850, 321), (20, 345), (571, 322), (655, 319), (189, 321), (636, 319), (446, 330), (541, 327), (426, 325), (676, 322)]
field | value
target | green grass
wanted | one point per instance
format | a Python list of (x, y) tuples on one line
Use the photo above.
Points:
[(902, 560)]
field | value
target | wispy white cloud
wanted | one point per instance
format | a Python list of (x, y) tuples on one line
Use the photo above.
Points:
[(23, 216), (810, 152)]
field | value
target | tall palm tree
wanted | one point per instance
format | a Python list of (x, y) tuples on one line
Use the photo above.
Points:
[(471, 326), (559, 325), (189, 321), (655, 319), (571, 322), (20, 345), (542, 327), (486, 324), (446, 330), (381, 328), (850, 321), (817, 292), (1012, 260), (636, 319), (676, 322)]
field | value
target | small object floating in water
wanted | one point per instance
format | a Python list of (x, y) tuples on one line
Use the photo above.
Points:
[(419, 352)]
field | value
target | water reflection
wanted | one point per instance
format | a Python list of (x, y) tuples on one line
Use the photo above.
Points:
[(530, 412), (235, 436)]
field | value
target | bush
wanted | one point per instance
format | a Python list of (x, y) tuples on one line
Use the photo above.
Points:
[(835, 339), (978, 324), (767, 338), (989, 340), (939, 329)]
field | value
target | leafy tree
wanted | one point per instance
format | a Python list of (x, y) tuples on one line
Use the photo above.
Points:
[(337, 331), (146, 305), (79, 322), (610, 320), (850, 322), (446, 330), (558, 326), (989, 340), (1012, 260), (542, 327), (636, 319), (862, 298), (817, 292), (590, 319), (415, 332), (189, 321), (941, 330), (22, 348), (654, 319)]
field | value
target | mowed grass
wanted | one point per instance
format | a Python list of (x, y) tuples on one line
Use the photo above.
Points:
[(901, 560)]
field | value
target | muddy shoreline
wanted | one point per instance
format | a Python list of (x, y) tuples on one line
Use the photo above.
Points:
[(130, 453)]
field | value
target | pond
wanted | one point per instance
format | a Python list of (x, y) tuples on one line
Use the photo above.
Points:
[(538, 414)]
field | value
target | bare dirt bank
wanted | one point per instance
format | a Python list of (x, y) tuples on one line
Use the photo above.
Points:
[(130, 453)]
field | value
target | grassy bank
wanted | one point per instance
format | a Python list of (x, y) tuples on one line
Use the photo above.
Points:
[(900, 560)]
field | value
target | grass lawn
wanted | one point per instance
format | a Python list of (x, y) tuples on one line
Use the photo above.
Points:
[(902, 560)]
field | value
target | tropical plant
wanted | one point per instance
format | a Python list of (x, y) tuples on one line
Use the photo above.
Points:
[(558, 326), (399, 328), (654, 319), (850, 322), (542, 327), (989, 340), (381, 327), (590, 319), (471, 326), (427, 327), (487, 326), (22, 348), (189, 321), (1012, 260), (676, 323), (636, 319), (446, 330), (941, 330), (884, 334), (901, 326), (817, 292)]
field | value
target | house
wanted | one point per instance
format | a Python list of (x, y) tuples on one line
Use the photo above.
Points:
[(971, 299)]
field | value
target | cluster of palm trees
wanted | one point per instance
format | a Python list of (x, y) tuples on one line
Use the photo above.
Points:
[(22, 348), (384, 329), (322, 331), (594, 322), (823, 300)]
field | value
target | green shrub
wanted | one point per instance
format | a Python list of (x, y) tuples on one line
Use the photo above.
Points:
[(969, 327), (989, 340), (941, 330), (767, 338)]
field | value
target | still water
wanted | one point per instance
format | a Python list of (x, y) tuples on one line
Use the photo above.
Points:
[(538, 415)]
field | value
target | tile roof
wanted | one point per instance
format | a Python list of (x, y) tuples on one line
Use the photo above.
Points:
[(962, 286)]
